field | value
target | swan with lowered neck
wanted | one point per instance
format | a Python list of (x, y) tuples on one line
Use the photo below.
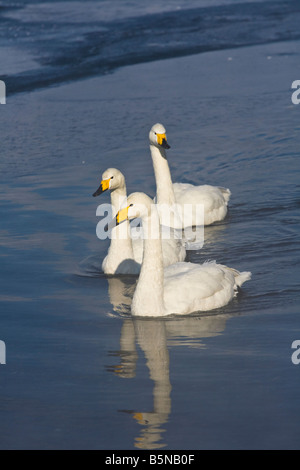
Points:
[(181, 288), (213, 199), (125, 253)]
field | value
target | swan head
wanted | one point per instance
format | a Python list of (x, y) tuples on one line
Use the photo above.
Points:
[(158, 137), (111, 179), (138, 205)]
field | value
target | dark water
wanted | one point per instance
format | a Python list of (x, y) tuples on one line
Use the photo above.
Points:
[(70, 40), (80, 372)]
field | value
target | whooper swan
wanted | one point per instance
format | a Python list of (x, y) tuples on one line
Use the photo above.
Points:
[(213, 199), (181, 288), (125, 253)]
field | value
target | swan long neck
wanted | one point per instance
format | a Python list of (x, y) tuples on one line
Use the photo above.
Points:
[(121, 243), (148, 299), (117, 197), (164, 185)]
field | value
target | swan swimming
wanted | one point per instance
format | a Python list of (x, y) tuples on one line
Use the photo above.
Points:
[(213, 198), (183, 287), (125, 253)]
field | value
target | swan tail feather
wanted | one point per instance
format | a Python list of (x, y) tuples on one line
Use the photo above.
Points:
[(242, 277), (239, 277), (226, 193)]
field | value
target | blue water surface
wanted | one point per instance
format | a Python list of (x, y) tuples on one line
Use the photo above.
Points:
[(85, 83)]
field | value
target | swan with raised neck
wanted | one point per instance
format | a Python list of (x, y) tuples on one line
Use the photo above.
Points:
[(181, 288), (120, 256), (212, 199), (125, 253), (158, 146)]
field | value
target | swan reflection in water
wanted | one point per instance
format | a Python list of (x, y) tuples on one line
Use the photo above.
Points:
[(153, 336)]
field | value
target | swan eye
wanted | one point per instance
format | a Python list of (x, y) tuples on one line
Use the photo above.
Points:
[(130, 205), (111, 177)]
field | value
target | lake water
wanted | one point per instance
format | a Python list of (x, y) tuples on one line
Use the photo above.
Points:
[(85, 82)]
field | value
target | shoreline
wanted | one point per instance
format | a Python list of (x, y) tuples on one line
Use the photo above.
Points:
[(276, 47), (110, 45), (48, 83)]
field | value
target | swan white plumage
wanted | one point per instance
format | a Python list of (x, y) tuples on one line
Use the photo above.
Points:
[(125, 253), (213, 198), (183, 287)]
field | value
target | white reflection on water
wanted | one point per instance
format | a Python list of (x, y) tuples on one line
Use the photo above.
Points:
[(154, 336)]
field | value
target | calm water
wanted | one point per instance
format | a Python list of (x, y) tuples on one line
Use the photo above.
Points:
[(80, 373)]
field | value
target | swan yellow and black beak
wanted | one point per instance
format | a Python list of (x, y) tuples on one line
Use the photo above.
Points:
[(121, 216), (104, 186), (139, 418), (162, 141)]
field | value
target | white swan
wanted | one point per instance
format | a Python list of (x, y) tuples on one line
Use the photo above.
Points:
[(214, 199), (125, 253), (181, 288)]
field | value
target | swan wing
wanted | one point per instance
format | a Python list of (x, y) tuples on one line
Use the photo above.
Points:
[(190, 287), (213, 198)]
